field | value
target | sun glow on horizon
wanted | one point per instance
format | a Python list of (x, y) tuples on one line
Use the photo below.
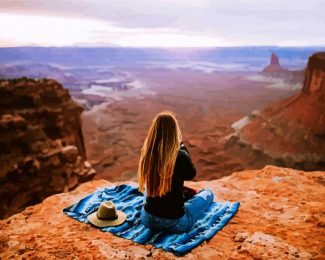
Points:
[(22, 29)]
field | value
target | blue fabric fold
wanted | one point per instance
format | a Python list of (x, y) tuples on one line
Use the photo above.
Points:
[(128, 199)]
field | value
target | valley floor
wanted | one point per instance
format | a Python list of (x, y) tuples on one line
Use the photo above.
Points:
[(206, 105)]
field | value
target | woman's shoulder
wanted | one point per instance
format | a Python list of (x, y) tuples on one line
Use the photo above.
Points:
[(182, 155)]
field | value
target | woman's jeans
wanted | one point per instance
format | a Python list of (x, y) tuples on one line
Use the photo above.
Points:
[(194, 208)]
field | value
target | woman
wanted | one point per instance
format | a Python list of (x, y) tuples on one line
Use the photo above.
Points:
[(163, 166)]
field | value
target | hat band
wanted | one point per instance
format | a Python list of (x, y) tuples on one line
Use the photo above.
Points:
[(116, 216)]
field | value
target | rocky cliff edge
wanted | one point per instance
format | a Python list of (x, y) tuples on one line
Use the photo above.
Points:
[(281, 217), (42, 149)]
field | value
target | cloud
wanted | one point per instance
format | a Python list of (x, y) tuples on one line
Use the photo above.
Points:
[(63, 31), (169, 22)]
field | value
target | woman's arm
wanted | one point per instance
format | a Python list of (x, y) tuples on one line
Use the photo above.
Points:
[(186, 165)]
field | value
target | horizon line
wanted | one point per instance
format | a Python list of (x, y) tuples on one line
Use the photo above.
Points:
[(169, 47)]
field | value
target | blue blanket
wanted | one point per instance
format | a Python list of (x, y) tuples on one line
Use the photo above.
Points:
[(128, 199)]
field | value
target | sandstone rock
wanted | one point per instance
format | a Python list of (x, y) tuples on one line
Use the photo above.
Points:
[(256, 232), (274, 59), (274, 67), (240, 237), (41, 144), (315, 74), (69, 154), (289, 133), (264, 246)]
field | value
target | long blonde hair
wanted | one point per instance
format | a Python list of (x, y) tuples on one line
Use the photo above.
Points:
[(158, 155)]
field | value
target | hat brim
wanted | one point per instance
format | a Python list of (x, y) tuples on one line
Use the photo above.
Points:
[(94, 220)]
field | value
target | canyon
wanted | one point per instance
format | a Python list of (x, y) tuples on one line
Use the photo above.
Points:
[(249, 142), (42, 145), (290, 132), (206, 105)]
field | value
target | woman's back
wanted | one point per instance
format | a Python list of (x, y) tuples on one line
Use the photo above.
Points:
[(163, 166), (171, 205)]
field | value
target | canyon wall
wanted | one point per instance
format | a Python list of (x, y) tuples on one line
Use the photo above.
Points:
[(315, 76), (42, 148), (290, 132), (280, 217)]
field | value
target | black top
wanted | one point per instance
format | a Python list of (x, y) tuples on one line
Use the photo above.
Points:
[(171, 205)]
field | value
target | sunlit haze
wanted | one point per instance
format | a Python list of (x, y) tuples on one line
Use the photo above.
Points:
[(161, 23)]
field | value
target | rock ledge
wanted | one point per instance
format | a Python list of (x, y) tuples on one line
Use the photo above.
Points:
[(281, 216)]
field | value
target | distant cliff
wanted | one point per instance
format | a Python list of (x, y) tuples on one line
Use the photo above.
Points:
[(274, 66), (290, 132), (315, 76), (280, 76), (42, 148)]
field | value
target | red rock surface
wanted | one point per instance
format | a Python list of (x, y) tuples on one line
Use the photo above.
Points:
[(274, 67), (291, 132), (281, 217), (42, 148), (275, 59)]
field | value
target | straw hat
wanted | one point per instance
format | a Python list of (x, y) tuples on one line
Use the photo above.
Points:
[(107, 215)]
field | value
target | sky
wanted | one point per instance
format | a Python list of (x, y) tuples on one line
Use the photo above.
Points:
[(162, 23)]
